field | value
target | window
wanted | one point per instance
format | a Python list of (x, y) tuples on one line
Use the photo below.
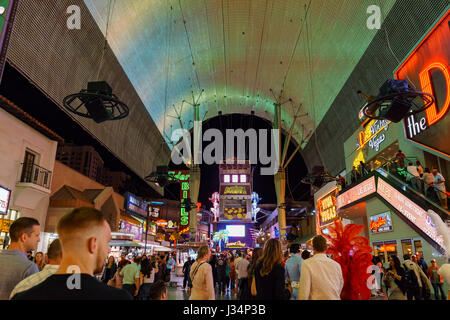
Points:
[(418, 247), (235, 178), (27, 169), (407, 246), (243, 178), (226, 178)]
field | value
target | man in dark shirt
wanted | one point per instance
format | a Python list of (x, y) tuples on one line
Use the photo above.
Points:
[(221, 273), (84, 234)]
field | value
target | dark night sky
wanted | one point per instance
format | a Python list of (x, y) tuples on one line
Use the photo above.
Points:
[(263, 184)]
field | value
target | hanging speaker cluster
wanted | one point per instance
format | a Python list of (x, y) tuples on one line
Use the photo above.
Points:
[(396, 100), (97, 102)]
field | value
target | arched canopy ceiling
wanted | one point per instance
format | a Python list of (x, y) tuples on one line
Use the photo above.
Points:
[(237, 50)]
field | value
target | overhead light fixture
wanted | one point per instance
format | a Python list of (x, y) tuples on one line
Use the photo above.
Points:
[(97, 102)]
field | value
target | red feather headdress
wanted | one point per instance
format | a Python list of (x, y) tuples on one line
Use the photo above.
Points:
[(353, 253)]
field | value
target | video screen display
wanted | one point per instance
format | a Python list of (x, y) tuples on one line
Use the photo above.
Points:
[(236, 230)]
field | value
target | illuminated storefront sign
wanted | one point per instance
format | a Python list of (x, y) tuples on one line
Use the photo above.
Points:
[(381, 222), (236, 244), (5, 195), (357, 192), (185, 193), (5, 224), (235, 190), (135, 205), (427, 67), (409, 209), (327, 208), (161, 223), (372, 134), (154, 211), (235, 213), (131, 228)]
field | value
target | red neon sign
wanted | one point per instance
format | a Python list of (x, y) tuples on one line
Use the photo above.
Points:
[(433, 115), (427, 68)]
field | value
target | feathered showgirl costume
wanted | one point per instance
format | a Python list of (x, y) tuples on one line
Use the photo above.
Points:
[(353, 253), (444, 231)]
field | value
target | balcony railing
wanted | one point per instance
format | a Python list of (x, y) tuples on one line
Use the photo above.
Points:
[(32, 173)]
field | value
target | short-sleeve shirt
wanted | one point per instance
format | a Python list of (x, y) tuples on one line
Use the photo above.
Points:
[(439, 186), (56, 287), (14, 267), (130, 273)]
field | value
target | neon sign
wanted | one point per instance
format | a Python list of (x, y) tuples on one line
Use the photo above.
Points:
[(235, 190), (427, 67), (236, 244), (371, 134), (185, 192), (327, 208)]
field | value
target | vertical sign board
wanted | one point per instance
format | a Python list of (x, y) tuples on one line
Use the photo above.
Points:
[(8, 9), (427, 67), (185, 193)]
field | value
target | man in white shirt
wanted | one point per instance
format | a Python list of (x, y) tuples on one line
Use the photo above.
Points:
[(321, 277), (54, 255), (413, 176), (241, 268), (439, 187), (236, 262)]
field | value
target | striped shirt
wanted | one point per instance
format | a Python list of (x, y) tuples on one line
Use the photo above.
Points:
[(35, 279)]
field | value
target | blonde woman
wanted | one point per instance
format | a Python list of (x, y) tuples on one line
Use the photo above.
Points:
[(202, 277), (39, 260), (269, 275)]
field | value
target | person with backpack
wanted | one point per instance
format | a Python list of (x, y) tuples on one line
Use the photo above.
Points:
[(394, 279), (413, 278)]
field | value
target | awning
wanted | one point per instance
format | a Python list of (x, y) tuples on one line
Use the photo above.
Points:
[(160, 248), (124, 243)]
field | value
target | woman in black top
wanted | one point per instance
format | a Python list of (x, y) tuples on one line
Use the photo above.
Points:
[(269, 280), (110, 270)]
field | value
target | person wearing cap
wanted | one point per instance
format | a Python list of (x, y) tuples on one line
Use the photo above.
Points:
[(437, 280)]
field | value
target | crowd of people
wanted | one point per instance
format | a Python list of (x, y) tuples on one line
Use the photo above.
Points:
[(268, 274), (68, 270), (412, 280), (430, 182)]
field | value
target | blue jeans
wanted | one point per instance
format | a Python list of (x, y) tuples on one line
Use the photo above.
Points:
[(294, 294), (439, 287)]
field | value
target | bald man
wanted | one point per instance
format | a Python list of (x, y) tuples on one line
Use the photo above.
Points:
[(84, 234)]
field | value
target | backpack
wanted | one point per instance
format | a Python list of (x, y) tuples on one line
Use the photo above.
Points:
[(410, 280)]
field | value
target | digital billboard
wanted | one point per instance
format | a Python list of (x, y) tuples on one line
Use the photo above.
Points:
[(237, 231), (381, 222), (410, 210), (357, 192)]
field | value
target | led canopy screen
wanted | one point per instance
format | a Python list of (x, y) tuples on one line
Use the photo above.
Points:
[(236, 230)]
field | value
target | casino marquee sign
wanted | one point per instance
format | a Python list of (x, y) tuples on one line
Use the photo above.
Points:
[(427, 67)]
